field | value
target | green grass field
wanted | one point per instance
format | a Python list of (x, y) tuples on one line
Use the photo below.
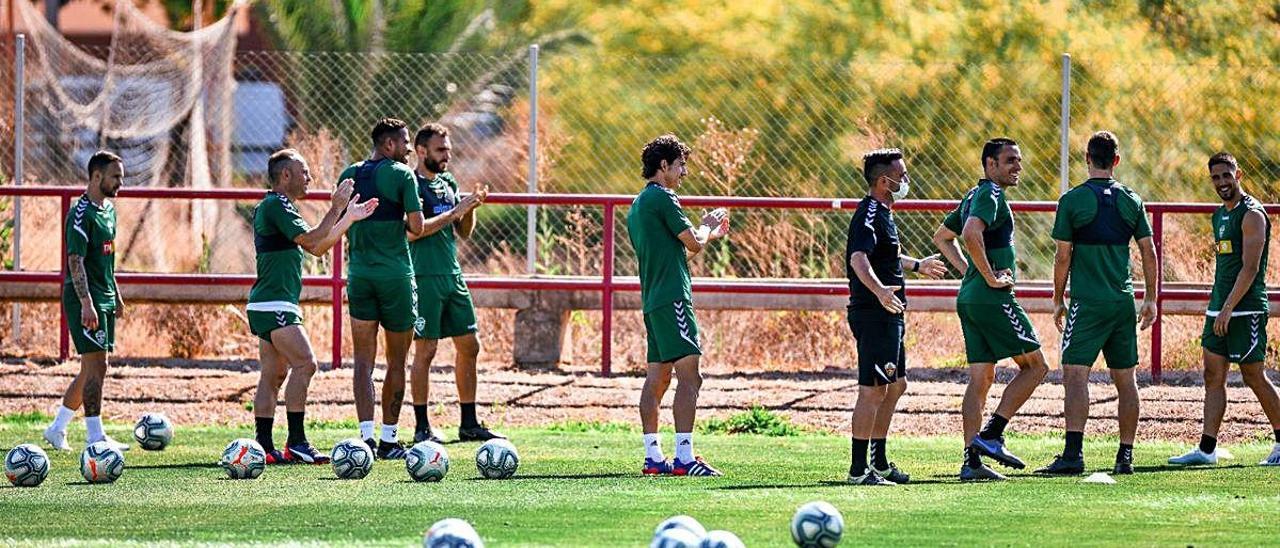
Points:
[(579, 486)]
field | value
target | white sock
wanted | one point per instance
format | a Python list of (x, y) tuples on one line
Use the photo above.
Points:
[(63, 418), (653, 448), (389, 432), (366, 430), (684, 447), (94, 426)]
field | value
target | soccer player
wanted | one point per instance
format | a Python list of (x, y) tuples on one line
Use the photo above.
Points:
[(280, 235), (874, 263), (663, 239), (380, 286), (1235, 329), (995, 326), (444, 303), (1094, 224), (90, 299)]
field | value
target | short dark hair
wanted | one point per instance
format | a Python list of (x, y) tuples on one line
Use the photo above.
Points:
[(277, 162), (100, 160), (427, 132), (1102, 149), (664, 147), (876, 162), (993, 147), (1223, 158), (386, 127)]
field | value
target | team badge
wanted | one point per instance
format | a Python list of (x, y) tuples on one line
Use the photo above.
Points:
[(890, 369)]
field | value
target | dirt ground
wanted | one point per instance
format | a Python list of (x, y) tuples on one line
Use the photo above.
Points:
[(201, 392)]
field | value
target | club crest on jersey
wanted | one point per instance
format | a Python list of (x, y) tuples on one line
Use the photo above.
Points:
[(890, 369), (108, 247), (100, 337)]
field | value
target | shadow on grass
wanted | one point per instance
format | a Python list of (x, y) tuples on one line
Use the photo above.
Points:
[(608, 475), (823, 483), (185, 466)]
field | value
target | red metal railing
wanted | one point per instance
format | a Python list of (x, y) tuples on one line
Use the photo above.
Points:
[(606, 283)]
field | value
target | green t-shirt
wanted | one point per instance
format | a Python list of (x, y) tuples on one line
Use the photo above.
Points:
[(986, 202), (91, 233), (437, 254), (654, 225), (276, 222), (1100, 217), (1228, 231), (379, 248)]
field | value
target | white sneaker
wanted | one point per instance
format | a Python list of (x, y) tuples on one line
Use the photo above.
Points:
[(1195, 457), (1273, 459), (121, 447), (57, 438)]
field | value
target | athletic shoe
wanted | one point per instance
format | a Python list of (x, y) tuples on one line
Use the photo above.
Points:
[(391, 450), (479, 432), (373, 447), (276, 456), (57, 439), (1064, 466), (431, 435), (1273, 459), (305, 453), (1195, 457), (996, 450), (981, 473), (893, 474), (698, 467), (869, 478), (121, 447), (656, 467)]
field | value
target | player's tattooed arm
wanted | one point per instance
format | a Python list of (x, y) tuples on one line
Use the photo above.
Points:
[(80, 280)]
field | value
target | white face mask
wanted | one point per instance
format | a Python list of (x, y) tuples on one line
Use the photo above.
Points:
[(903, 187)]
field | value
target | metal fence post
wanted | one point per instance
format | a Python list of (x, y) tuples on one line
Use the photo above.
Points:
[(606, 304), (531, 226), (1157, 334), (337, 282), (19, 135), (1064, 150)]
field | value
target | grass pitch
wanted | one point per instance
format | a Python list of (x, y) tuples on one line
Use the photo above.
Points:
[(580, 486)]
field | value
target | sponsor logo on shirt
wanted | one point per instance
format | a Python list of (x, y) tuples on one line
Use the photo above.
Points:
[(1224, 247), (108, 247)]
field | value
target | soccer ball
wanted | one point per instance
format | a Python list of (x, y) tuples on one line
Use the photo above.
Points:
[(427, 461), (26, 465), (497, 459), (722, 539), (243, 459), (153, 432), (681, 522), (452, 533), (101, 463), (351, 459), (676, 537), (817, 525)]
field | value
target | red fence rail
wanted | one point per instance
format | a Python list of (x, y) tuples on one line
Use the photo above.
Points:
[(606, 283)]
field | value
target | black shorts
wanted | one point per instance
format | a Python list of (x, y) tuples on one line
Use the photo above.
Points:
[(882, 355)]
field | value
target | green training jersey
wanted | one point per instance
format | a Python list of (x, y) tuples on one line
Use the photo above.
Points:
[(276, 222), (1100, 217), (1228, 234), (379, 247), (986, 202), (436, 254), (654, 225), (91, 233)]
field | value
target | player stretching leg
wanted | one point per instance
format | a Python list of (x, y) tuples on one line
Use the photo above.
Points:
[(877, 298), (1236, 327), (994, 324), (90, 299), (663, 239), (280, 235)]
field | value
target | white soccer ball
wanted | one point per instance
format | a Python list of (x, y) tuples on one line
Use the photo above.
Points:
[(244, 459), (497, 459), (26, 465), (153, 432), (452, 533), (101, 463), (817, 525), (681, 522), (351, 459), (676, 538), (721, 539), (427, 461)]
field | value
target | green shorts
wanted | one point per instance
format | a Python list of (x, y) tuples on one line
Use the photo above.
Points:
[(444, 307), (993, 332), (1107, 327), (88, 341), (672, 332), (392, 303), (1246, 340), (263, 323)]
